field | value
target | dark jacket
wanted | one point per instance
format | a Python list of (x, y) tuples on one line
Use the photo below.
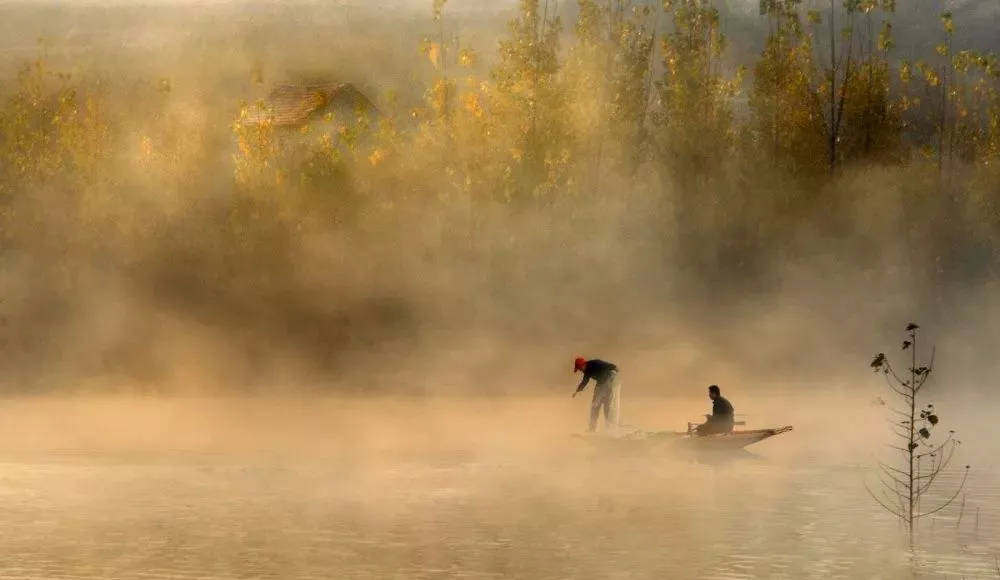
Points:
[(599, 370), (722, 410)]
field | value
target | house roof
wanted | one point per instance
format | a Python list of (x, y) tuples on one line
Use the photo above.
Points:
[(292, 105)]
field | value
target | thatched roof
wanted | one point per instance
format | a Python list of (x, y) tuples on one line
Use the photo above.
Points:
[(293, 105)]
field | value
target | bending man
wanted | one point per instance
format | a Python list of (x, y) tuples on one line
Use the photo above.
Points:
[(606, 386)]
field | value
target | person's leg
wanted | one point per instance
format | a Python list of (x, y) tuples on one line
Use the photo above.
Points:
[(708, 428), (615, 398), (595, 408)]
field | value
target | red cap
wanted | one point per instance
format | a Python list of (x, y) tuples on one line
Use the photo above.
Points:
[(579, 364)]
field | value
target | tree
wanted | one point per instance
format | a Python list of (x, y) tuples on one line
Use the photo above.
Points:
[(694, 121), (256, 159), (786, 120), (952, 125), (872, 119), (956, 96), (608, 71), (694, 130), (904, 483), (51, 129), (987, 89), (452, 130), (529, 99), (838, 75), (441, 95)]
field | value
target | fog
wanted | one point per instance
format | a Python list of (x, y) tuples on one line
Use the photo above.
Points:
[(343, 347), (376, 487)]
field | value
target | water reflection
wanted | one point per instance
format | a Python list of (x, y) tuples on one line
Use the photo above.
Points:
[(720, 457)]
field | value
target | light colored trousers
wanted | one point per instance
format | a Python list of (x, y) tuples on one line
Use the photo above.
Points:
[(607, 396)]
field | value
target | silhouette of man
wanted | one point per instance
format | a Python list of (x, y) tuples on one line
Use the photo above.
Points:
[(721, 420), (606, 386)]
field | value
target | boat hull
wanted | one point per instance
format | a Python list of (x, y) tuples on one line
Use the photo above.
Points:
[(731, 440), (719, 441)]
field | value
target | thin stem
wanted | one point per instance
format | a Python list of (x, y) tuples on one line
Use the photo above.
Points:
[(961, 486), (913, 411), (884, 506), (892, 477)]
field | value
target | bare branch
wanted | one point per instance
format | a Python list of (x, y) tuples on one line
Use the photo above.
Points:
[(922, 488), (927, 373), (885, 507), (896, 495), (934, 449), (898, 390), (939, 468), (893, 373), (889, 487), (937, 464), (893, 469), (961, 486), (885, 469), (904, 435)]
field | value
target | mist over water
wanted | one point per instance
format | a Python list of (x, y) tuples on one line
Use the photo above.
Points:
[(343, 350), (452, 487)]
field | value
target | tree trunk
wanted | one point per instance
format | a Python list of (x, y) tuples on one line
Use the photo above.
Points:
[(832, 137), (911, 497)]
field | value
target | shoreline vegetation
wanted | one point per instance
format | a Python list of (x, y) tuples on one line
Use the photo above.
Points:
[(615, 161)]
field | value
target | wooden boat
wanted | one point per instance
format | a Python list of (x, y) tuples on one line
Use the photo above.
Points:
[(723, 441), (734, 440)]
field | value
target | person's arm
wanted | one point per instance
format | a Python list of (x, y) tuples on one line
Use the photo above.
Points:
[(716, 412), (583, 383)]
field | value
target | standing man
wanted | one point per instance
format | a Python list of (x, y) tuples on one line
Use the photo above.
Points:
[(721, 420), (606, 388)]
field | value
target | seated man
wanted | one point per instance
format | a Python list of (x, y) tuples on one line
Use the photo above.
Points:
[(721, 420)]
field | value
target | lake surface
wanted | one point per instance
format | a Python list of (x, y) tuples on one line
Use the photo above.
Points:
[(449, 489)]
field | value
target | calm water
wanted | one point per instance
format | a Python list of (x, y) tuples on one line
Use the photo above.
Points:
[(425, 501)]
